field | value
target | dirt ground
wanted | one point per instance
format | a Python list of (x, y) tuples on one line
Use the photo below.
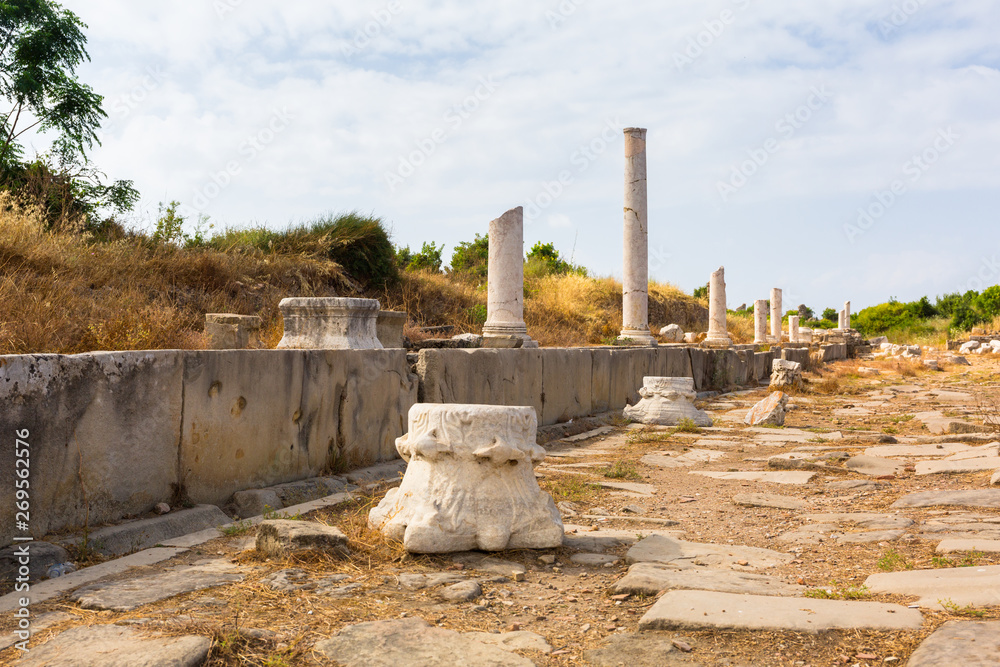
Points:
[(572, 606)]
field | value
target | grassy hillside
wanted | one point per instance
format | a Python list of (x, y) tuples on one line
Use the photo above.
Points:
[(67, 292)]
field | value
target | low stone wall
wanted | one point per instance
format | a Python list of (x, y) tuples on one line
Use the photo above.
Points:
[(563, 384), (113, 434)]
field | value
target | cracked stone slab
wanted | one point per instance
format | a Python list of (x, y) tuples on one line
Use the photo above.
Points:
[(630, 487), (412, 642), (638, 651), (682, 460), (966, 643), (960, 466), (971, 498), (129, 594), (653, 578), (822, 532), (867, 520), (952, 546), (769, 500), (703, 610), (520, 640), (116, 646), (582, 538), (662, 549), (916, 451), (874, 466), (963, 586), (38, 624), (416, 582), (795, 477)]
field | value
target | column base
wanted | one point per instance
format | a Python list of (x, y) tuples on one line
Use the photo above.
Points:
[(637, 337), (507, 335), (717, 342)]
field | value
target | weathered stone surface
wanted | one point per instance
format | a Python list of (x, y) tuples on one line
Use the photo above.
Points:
[(329, 323), (484, 563), (653, 578), (38, 624), (635, 281), (418, 581), (129, 594), (254, 502), (638, 651), (936, 450), (951, 546), (682, 459), (138, 535), (769, 500), (717, 335), (672, 333), (463, 591), (856, 485), (116, 646), (40, 556), (663, 549), (505, 303), (785, 374), (593, 560), (964, 643), (874, 466), (769, 412), (974, 498), (666, 401), (701, 610), (232, 332), (469, 483), (966, 465), (972, 586), (389, 327), (292, 536), (295, 579), (519, 640), (791, 477), (412, 642)]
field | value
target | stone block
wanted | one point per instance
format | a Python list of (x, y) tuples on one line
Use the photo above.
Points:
[(701, 368), (797, 354), (329, 323), (600, 379), (258, 418), (133, 536), (389, 328), (769, 412), (566, 384), (232, 332), (102, 431), (484, 377), (677, 362)]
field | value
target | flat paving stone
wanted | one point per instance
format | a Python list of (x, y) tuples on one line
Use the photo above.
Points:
[(520, 640), (593, 560), (416, 582), (916, 451), (874, 466), (302, 536), (662, 549), (295, 579), (582, 538), (794, 477), (129, 594), (684, 460), (38, 624), (638, 651), (653, 578), (413, 642), (465, 591), (135, 536), (720, 443), (702, 610), (769, 500), (596, 433), (967, 465), (963, 586), (965, 643), (867, 520), (856, 485), (477, 561), (953, 546), (970, 498), (631, 487), (117, 646)]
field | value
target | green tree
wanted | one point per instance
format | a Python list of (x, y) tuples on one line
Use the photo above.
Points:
[(831, 315), (700, 292), (472, 258), (429, 258), (41, 47), (989, 302), (546, 257)]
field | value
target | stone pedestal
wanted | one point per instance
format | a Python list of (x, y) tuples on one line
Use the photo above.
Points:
[(793, 329), (717, 333), (232, 332), (635, 283), (389, 327), (666, 401), (470, 483), (776, 315), (760, 321), (505, 304), (329, 323), (847, 314)]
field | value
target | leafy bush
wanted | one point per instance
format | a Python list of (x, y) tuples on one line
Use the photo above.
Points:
[(428, 259), (547, 259), (831, 315), (472, 258), (700, 292)]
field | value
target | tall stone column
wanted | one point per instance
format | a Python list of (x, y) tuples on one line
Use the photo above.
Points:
[(760, 321), (842, 321), (717, 335), (793, 328), (505, 305), (847, 314), (635, 283), (776, 315)]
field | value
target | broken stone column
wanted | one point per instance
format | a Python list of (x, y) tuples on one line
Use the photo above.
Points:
[(760, 321), (776, 315), (842, 321), (786, 375), (717, 334), (666, 401), (232, 332), (793, 329), (635, 282), (847, 314), (470, 483), (505, 304), (329, 323)]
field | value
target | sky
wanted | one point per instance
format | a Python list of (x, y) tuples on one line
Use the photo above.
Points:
[(839, 151)]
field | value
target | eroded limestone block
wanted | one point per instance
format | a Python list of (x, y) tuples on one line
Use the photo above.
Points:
[(470, 483), (666, 401), (769, 412), (786, 374), (329, 323)]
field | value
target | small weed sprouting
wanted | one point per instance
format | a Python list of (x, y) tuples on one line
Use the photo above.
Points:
[(571, 489), (970, 559), (955, 608), (622, 470), (839, 592), (272, 515), (236, 529), (687, 426), (892, 561)]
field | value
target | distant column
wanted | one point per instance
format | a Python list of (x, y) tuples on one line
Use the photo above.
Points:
[(635, 283), (776, 315), (847, 314), (505, 282), (717, 334), (760, 321), (842, 321), (793, 328)]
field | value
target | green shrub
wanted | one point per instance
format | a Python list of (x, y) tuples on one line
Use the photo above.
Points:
[(428, 259), (831, 315), (472, 258)]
